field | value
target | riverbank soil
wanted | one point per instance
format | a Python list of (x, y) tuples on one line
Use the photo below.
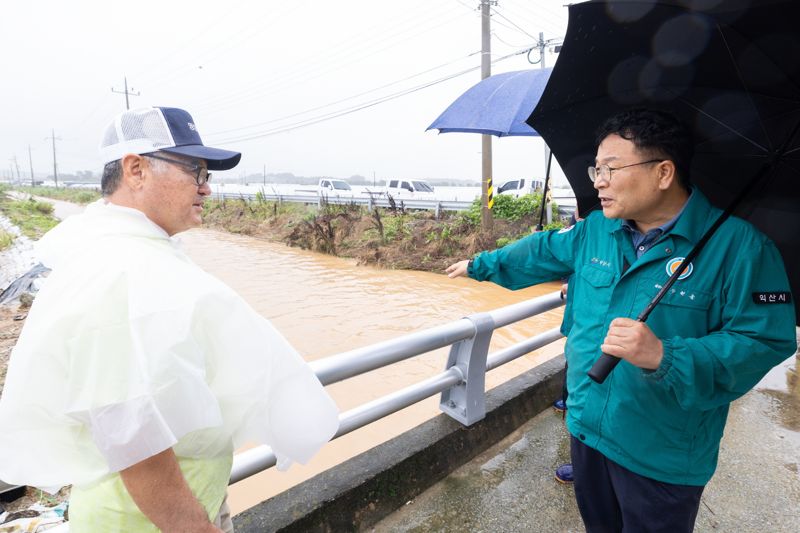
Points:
[(392, 238), (11, 320)]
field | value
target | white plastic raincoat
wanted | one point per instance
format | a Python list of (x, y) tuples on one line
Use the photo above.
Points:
[(130, 349)]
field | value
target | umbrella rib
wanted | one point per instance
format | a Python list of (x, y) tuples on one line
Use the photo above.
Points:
[(746, 88), (721, 123)]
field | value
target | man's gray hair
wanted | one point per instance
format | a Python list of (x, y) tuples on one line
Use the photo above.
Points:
[(112, 175)]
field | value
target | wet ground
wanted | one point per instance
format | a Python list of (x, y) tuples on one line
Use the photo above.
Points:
[(511, 488)]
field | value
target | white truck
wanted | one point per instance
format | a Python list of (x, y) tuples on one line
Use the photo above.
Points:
[(409, 189), (332, 187), (520, 187)]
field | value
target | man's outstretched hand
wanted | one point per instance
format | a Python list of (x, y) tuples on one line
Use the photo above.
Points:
[(457, 269)]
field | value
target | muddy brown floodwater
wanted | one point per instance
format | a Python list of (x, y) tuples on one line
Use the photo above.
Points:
[(326, 305)]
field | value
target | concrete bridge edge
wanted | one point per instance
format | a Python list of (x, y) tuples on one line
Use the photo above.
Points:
[(361, 491)]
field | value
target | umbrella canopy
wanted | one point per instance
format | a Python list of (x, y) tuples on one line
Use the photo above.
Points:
[(497, 105), (730, 71)]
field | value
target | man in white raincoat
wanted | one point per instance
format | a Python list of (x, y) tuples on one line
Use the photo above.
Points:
[(137, 373)]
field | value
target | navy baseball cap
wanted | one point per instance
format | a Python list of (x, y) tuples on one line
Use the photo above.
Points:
[(166, 129)]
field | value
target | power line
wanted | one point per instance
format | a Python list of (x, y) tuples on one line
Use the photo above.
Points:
[(496, 36), (554, 22), (192, 40), (343, 99), (309, 73), (218, 50), (494, 10), (337, 114)]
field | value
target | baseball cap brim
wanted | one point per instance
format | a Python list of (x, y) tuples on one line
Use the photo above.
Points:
[(216, 158)]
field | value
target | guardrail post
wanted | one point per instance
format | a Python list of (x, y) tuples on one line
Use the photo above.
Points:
[(466, 402), (438, 206)]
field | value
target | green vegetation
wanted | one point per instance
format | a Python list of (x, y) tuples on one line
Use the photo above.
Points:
[(6, 239), (33, 218), (395, 237), (507, 207), (76, 196)]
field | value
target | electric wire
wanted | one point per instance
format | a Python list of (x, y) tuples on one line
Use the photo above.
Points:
[(260, 90), (542, 16), (329, 104), (356, 42), (496, 12), (337, 114)]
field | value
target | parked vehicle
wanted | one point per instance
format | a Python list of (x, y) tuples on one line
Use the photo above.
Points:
[(409, 189), (520, 187), (334, 187)]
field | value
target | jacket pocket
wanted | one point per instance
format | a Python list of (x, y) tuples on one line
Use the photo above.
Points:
[(597, 277), (683, 311), (680, 296)]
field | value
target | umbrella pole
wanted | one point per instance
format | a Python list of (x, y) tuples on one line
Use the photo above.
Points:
[(606, 363), (540, 225)]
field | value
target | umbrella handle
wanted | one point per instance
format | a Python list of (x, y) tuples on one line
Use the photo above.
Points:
[(603, 367)]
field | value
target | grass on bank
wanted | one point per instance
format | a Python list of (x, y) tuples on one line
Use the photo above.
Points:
[(66, 194), (393, 237), (6, 240), (33, 218)]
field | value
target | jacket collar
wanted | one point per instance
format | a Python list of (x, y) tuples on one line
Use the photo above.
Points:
[(697, 215)]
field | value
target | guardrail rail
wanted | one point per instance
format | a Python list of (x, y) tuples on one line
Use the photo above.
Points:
[(461, 384)]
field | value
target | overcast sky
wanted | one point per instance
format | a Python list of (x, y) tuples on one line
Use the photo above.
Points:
[(247, 70)]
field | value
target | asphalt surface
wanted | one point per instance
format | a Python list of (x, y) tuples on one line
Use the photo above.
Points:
[(511, 488)]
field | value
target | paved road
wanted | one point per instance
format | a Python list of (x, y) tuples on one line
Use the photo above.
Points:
[(510, 488)]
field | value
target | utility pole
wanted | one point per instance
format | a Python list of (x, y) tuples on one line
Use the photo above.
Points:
[(126, 93), (55, 166), (487, 191), (30, 161), (16, 164), (265, 175)]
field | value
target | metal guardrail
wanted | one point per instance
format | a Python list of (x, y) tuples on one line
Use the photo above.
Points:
[(369, 200), (461, 384)]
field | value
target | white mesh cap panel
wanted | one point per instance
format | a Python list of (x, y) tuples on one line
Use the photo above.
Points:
[(138, 131)]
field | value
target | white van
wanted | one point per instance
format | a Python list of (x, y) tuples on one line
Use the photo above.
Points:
[(409, 189), (520, 187)]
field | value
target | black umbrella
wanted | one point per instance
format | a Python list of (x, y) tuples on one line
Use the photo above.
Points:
[(729, 68)]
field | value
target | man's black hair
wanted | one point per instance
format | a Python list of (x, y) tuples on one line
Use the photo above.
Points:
[(656, 132), (112, 175)]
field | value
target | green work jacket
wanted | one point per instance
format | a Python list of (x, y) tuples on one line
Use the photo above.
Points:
[(723, 326)]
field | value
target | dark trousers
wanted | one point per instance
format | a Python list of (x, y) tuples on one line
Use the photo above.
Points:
[(614, 499)]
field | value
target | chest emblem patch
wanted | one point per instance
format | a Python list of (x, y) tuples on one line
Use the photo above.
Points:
[(673, 264)]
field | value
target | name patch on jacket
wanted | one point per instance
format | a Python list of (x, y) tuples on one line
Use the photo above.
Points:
[(776, 297)]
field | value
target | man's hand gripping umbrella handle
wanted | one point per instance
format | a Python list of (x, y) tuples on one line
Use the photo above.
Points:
[(606, 363), (603, 367)]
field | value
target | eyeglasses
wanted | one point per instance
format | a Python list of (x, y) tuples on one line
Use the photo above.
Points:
[(201, 173), (603, 172)]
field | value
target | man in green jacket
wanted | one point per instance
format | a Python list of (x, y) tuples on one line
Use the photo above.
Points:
[(646, 441)]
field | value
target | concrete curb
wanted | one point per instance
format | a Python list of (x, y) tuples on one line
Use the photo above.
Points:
[(359, 492)]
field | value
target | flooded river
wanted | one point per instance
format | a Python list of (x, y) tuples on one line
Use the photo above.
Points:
[(326, 305)]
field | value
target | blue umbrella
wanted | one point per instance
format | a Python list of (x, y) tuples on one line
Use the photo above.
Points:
[(498, 105)]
